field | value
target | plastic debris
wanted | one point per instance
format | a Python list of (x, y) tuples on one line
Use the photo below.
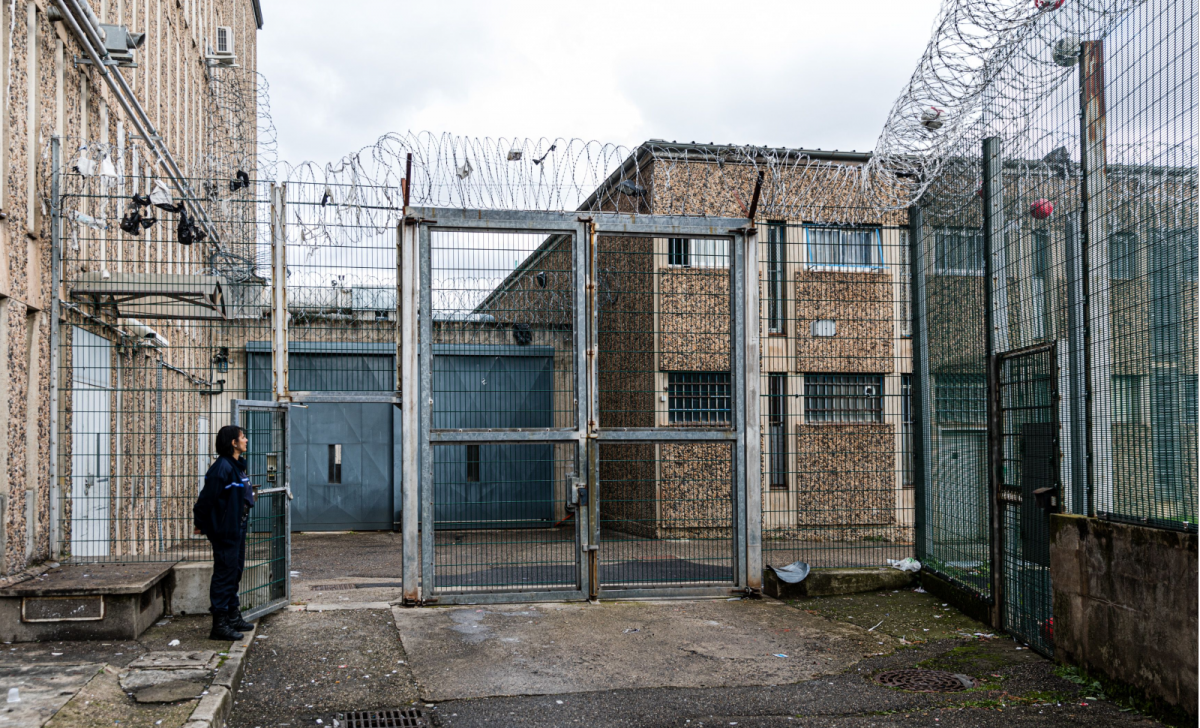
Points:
[(173, 643), (793, 573), (907, 564), (107, 169), (94, 224), (14, 695), (780, 654)]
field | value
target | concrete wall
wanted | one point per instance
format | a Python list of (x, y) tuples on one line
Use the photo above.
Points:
[(1125, 604)]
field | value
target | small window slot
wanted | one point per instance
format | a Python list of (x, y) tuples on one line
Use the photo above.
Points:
[(335, 463), (472, 463)]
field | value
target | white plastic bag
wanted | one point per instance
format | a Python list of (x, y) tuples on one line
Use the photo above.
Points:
[(908, 564)]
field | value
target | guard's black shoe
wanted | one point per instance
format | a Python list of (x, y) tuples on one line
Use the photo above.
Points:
[(236, 621), (222, 630)]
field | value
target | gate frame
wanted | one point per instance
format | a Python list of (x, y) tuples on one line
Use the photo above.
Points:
[(415, 346), (996, 441), (236, 407)]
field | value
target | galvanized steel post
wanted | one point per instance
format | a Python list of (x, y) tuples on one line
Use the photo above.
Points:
[(993, 231), (407, 277), (279, 308), (752, 395)]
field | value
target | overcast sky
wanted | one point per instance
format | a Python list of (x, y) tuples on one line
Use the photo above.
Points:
[(798, 73)]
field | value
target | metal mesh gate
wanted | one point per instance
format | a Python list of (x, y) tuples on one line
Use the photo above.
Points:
[(265, 584), (1029, 489), (583, 410)]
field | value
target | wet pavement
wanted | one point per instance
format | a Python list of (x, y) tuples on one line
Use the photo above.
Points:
[(77, 682), (577, 665)]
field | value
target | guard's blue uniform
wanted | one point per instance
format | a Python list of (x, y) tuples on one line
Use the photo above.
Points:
[(221, 513)]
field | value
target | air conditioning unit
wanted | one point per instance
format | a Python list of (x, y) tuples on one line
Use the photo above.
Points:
[(221, 52), (224, 45)]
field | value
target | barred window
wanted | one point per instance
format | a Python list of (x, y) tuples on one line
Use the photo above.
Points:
[(1041, 253), (960, 398), (843, 246), (699, 398), (777, 429), (906, 274), (958, 251), (698, 253), (776, 289), (833, 398), (1123, 256), (1129, 400), (907, 464)]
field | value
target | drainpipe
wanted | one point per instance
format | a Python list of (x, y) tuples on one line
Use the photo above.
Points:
[(55, 312), (158, 454)]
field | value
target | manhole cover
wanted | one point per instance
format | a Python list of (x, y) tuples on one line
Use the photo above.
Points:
[(925, 681), (407, 718)]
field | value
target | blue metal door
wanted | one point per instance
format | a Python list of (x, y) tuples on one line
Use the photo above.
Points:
[(494, 485), (343, 467)]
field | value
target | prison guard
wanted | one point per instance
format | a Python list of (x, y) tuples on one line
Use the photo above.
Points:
[(226, 496)]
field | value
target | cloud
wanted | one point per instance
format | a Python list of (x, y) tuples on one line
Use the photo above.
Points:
[(802, 74)]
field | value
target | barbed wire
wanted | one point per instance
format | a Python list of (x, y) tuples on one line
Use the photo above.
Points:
[(988, 67)]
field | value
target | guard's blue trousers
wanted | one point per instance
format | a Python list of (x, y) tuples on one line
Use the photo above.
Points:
[(229, 558)]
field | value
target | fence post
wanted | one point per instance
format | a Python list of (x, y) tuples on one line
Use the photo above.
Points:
[(922, 411), (406, 357), (1077, 367), (279, 309), (753, 392), (1097, 326), (993, 243)]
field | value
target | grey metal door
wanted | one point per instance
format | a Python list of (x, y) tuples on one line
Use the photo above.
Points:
[(343, 469)]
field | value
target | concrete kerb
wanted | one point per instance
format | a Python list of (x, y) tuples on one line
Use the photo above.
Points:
[(214, 709)]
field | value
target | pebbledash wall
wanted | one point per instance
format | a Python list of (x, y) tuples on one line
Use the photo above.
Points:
[(844, 480), (48, 93)]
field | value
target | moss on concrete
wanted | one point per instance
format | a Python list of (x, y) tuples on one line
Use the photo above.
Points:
[(905, 614)]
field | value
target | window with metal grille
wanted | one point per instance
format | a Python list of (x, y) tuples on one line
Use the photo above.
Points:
[(958, 251), (677, 251), (907, 465), (843, 247), (960, 398), (1129, 400), (777, 429), (698, 253), (838, 398), (1123, 256), (699, 398), (1041, 253), (776, 291), (472, 463), (905, 285)]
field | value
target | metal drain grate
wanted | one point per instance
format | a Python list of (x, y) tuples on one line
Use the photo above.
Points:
[(925, 681), (406, 718), (332, 587)]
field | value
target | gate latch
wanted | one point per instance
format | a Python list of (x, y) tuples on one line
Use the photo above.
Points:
[(1047, 499), (574, 487)]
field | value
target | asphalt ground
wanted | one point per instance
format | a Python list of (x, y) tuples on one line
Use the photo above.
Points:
[(315, 665), (295, 677)]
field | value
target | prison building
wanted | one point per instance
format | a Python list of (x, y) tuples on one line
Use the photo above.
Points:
[(835, 354), (129, 434)]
